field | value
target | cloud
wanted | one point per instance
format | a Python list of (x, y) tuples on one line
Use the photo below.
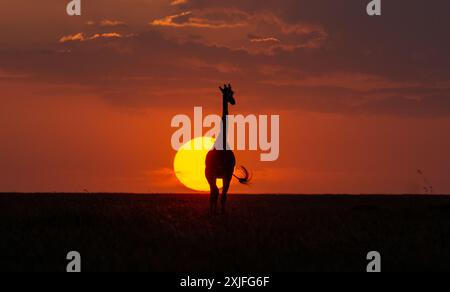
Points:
[(81, 37), (260, 39), (200, 20), (314, 58), (10, 76), (72, 37), (107, 23), (431, 106), (125, 74), (112, 23), (178, 2), (221, 67), (261, 32)]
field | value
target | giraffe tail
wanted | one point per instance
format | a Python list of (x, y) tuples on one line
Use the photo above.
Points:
[(243, 175)]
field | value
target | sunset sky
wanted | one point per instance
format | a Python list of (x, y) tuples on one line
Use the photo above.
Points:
[(86, 102)]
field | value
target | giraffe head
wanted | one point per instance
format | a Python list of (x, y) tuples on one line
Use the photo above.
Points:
[(228, 94)]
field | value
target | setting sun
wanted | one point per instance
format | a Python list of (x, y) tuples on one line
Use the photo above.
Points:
[(189, 164)]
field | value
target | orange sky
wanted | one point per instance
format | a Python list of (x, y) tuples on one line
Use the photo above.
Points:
[(86, 102)]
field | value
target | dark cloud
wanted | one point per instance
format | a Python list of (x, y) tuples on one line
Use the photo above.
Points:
[(432, 106), (262, 46)]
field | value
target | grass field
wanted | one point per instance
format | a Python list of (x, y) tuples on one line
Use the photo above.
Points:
[(260, 233)]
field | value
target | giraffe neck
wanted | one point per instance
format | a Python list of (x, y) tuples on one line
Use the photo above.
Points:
[(224, 122)]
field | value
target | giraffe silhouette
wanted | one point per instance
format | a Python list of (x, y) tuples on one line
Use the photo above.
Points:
[(220, 161)]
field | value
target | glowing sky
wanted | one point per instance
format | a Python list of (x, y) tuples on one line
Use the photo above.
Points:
[(86, 102)]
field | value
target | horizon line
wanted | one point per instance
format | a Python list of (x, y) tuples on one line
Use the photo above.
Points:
[(207, 194)]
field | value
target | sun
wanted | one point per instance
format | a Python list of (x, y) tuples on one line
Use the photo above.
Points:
[(189, 164)]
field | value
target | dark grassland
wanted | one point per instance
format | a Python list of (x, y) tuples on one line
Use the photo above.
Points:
[(260, 233)]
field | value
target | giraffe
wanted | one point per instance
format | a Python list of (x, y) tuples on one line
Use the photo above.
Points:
[(220, 161)]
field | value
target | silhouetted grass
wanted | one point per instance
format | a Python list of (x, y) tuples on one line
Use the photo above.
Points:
[(260, 233)]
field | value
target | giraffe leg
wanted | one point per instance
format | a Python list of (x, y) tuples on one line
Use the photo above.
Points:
[(226, 187), (214, 195)]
